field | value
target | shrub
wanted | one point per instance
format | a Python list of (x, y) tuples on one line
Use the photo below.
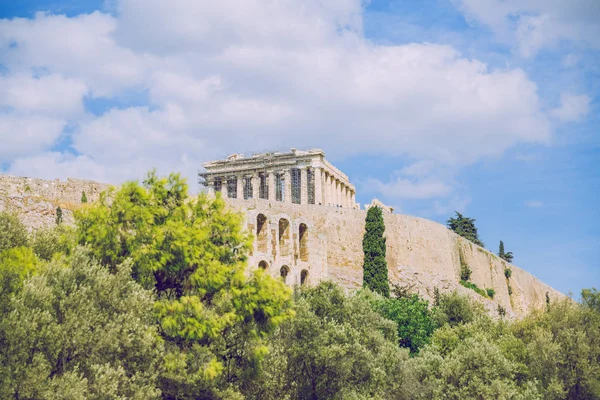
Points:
[(501, 311), (509, 290), (83, 197), (12, 232), (471, 285), (465, 271), (507, 273), (490, 292)]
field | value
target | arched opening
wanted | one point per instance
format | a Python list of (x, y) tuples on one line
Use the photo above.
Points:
[(284, 272), (303, 236), (262, 242), (284, 237), (263, 265), (303, 277)]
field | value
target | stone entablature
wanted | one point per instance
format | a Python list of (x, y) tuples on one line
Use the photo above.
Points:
[(298, 177)]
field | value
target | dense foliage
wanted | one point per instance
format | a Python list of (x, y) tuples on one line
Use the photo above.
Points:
[(375, 271), (150, 297), (465, 227)]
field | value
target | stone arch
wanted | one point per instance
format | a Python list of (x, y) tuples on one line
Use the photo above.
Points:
[(284, 236), (303, 239), (304, 277), (262, 237), (284, 272), (263, 265)]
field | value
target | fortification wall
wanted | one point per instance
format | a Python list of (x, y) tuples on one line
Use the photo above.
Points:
[(36, 200), (420, 253)]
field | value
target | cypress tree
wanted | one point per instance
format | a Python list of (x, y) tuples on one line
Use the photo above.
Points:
[(505, 256), (83, 197), (501, 250), (58, 215), (375, 271)]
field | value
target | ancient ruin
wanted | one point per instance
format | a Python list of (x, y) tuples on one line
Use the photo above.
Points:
[(307, 227), (297, 177)]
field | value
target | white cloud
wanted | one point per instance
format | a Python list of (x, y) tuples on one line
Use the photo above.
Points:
[(46, 95), (572, 108), (536, 24), (26, 135), (232, 76), (534, 204)]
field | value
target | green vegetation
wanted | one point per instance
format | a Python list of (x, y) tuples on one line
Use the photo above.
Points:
[(59, 213), (490, 292), (507, 273), (375, 271), (12, 232), (471, 285), (464, 227), (508, 257), (465, 270), (510, 291), (83, 197), (150, 297), (412, 315)]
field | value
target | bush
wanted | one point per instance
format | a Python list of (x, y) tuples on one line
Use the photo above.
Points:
[(465, 271), (412, 316), (12, 232), (471, 285), (490, 292), (507, 273), (455, 309), (510, 290)]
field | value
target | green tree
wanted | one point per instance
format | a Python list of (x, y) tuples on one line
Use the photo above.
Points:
[(336, 347), (508, 257), (465, 227), (214, 315), (83, 197), (375, 271), (591, 298), (59, 214), (48, 241), (412, 316), (12, 232), (78, 331), (16, 264)]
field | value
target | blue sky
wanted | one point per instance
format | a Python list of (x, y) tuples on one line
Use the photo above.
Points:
[(489, 107)]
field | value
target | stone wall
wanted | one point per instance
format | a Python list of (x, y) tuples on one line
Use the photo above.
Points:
[(420, 253), (36, 200)]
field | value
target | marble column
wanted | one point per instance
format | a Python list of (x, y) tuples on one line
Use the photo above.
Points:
[(271, 184), (303, 185), (329, 190), (288, 186), (210, 186), (318, 192), (224, 189), (353, 199), (240, 187), (255, 185)]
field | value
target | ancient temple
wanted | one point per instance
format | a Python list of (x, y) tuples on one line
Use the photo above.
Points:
[(297, 177)]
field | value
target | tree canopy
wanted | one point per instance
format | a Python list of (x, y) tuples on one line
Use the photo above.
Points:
[(465, 227)]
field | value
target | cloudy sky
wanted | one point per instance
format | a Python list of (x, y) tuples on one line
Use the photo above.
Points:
[(489, 107)]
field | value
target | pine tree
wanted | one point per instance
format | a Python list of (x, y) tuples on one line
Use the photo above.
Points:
[(375, 271), (83, 197), (58, 215), (465, 227)]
